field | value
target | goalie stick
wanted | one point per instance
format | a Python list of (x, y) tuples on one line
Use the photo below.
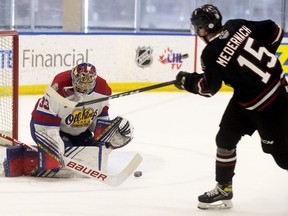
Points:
[(54, 94), (84, 170)]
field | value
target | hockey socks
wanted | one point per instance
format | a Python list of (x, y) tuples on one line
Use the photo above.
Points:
[(220, 197), (225, 164)]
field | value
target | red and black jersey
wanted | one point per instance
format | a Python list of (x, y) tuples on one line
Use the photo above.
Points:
[(243, 57)]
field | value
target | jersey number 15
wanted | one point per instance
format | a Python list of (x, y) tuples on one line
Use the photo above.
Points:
[(258, 54)]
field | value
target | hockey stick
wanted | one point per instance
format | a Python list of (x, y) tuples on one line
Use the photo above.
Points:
[(4, 136), (54, 94), (84, 170)]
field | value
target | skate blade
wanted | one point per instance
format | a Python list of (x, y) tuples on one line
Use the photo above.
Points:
[(223, 204)]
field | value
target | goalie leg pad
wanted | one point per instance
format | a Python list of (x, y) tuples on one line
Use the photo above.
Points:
[(49, 157), (19, 161), (13, 164), (30, 161)]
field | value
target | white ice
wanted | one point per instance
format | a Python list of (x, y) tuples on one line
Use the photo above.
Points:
[(175, 133)]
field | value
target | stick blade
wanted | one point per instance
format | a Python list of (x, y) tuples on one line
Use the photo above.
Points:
[(119, 178), (112, 180)]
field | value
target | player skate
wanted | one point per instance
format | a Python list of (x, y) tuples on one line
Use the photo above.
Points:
[(218, 198)]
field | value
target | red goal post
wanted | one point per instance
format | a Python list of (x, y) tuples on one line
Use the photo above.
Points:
[(9, 82)]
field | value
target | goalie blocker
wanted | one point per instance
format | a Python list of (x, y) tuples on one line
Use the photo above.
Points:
[(48, 163)]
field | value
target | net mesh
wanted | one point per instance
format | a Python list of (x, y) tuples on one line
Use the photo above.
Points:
[(6, 87)]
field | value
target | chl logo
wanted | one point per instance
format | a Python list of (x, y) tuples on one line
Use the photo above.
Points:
[(172, 58), (144, 56)]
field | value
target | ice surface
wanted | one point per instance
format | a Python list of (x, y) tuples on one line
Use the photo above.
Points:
[(175, 133)]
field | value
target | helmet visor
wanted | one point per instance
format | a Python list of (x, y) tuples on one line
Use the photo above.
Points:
[(84, 82), (196, 28)]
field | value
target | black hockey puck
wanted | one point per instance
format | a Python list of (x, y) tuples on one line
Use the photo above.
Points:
[(137, 174)]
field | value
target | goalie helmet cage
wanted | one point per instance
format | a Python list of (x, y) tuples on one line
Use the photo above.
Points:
[(9, 81)]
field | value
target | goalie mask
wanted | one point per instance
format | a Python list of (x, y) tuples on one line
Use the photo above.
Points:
[(206, 17), (84, 78)]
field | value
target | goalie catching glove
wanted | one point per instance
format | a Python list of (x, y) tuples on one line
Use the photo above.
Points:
[(126, 128), (114, 133)]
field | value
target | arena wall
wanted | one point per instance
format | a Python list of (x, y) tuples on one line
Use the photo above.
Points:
[(125, 61)]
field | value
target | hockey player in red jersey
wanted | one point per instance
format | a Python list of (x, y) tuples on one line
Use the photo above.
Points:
[(58, 129), (241, 54)]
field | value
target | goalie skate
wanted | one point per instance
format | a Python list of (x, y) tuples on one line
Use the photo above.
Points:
[(218, 198)]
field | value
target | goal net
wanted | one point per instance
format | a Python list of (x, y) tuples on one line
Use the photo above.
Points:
[(9, 41)]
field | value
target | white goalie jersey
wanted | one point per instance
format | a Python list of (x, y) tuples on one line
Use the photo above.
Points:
[(49, 112)]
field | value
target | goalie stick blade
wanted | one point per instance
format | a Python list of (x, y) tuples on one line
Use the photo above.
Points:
[(119, 178), (112, 180)]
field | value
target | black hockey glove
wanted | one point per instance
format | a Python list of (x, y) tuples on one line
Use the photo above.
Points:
[(180, 80)]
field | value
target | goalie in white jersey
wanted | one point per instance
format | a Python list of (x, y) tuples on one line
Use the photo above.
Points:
[(85, 132)]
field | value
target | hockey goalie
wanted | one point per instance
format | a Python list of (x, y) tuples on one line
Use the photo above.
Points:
[(85, 133)]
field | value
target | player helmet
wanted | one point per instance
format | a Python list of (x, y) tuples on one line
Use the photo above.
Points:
[(208, 17), (84, 77)]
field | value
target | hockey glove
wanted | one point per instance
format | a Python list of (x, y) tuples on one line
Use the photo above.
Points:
[(180, 80), (126, 128)]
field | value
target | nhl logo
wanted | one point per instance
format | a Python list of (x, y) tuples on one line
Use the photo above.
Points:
[(143, 56)]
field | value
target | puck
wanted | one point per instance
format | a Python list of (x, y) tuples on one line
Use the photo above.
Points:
[(137, 174)]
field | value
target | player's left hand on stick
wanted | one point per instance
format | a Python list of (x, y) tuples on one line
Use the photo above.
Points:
[(180, 80), (126, 128)]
